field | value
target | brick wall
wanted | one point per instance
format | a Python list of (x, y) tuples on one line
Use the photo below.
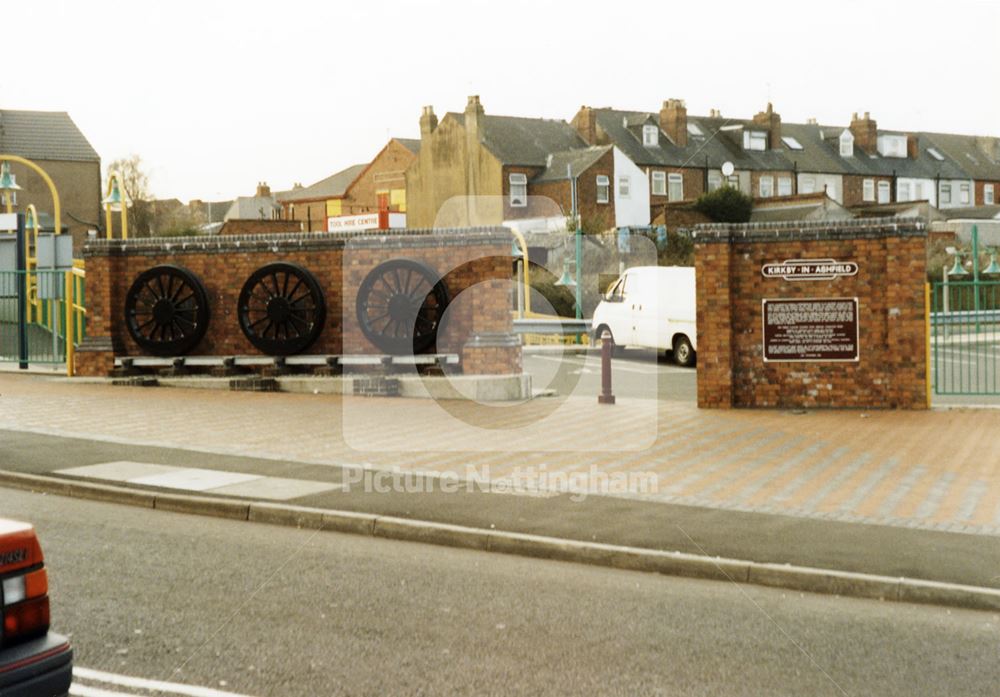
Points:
[(224, 263), (775, 176), (854, 190), (980, 196), (694, 186), (891, 370)]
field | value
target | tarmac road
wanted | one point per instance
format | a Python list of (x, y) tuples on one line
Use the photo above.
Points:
[(260, 610)]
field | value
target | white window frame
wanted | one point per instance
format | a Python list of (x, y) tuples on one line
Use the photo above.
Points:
[(903, 192), (755, 140), (714, 181), (989, 194), (520, 181), (945, 193), (603, 188), (784, 186), (791, 142), (846, 144), (673, 182), (733, 180), (964, 193), (650, 135), (868, 190), (624, 186), (884, 192), (659, 185), (808, 185), (768, 191)]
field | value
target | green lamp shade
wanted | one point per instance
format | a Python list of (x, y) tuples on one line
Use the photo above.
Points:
[(114, 199), (993, 267), (958, 269), (8, 182)]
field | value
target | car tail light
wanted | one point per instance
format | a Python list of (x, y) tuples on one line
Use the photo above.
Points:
[(26, 620), (24, 585)]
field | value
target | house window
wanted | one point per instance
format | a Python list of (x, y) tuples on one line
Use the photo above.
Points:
[(846, 144), (694, 130), (964, 191), (808, 185), (624, 184), (714, 181), (883, 192), (945, 194), (754, 140), (918, 191), (903, 191), (868, 190), (792, 143), (518, 190), (650, 135), (784, 186), (733, 181), (603, 188), (935, 154), (766, 187), (988, 195), (659, 183), (676, 187)]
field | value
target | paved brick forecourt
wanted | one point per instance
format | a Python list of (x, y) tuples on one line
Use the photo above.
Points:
[(475, 264), (890, 370)]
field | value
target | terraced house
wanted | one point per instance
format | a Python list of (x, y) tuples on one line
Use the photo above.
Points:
[(858, 165)]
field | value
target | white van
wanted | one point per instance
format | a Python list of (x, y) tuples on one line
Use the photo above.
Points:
[(652, 307)]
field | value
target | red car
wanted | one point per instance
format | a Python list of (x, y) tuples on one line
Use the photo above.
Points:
[(34, 662)]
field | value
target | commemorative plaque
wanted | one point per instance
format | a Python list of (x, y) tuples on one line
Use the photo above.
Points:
[(810, 329)]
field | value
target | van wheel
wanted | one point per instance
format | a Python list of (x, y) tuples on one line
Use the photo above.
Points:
[(684, 353)]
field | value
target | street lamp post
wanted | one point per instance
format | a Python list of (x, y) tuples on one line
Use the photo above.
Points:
[(115, 201)]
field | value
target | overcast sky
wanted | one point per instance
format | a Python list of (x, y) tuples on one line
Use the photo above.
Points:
[(215, 96)]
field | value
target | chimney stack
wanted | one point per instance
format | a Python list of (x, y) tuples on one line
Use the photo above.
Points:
[(673, 121), (428, 122), (474, 113), (770, 120), (585, 123), (263, 190), (913, 146), (865, 132)]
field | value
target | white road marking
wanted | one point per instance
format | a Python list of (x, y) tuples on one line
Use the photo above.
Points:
[(126, 681)]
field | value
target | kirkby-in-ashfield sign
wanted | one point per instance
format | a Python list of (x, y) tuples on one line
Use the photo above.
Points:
[(810, 329), (809, 269)]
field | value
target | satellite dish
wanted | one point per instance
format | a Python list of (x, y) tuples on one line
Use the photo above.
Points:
[(727, 169)]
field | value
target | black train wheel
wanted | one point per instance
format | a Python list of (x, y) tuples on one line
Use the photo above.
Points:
[(400, 306), (166, 310), (281, 309)]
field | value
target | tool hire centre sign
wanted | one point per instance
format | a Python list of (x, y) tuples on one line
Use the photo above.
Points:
[(810, 329)]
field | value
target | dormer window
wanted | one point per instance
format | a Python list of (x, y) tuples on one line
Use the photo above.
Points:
[(754, 140), (650, 135), (846, 144), (892, 146), (518, 190)]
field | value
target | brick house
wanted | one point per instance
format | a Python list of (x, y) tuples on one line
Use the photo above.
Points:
[(476, 168), (348, 199), (53, 142)]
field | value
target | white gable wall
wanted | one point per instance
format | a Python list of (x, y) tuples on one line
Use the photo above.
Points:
[(633, 209)]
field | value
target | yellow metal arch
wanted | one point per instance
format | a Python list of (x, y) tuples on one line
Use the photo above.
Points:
[(56, 209)]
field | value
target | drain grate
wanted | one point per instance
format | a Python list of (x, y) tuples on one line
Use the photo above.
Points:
[(253, 384)]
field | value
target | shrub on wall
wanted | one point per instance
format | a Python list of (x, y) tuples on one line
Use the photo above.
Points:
[(725, 205)]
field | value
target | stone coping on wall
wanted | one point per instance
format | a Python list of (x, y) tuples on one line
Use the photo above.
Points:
[(867, 228), (284, 242)]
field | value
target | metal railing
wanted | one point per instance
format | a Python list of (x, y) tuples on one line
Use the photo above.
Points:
[(965, 337), (39, 310)]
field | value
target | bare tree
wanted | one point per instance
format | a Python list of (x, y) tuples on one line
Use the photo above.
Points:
[(134, 179)]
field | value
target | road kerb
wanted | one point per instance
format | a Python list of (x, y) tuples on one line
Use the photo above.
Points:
[(200, 505), (629, 558), (431, 533), (291, 516), (856, 585)]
